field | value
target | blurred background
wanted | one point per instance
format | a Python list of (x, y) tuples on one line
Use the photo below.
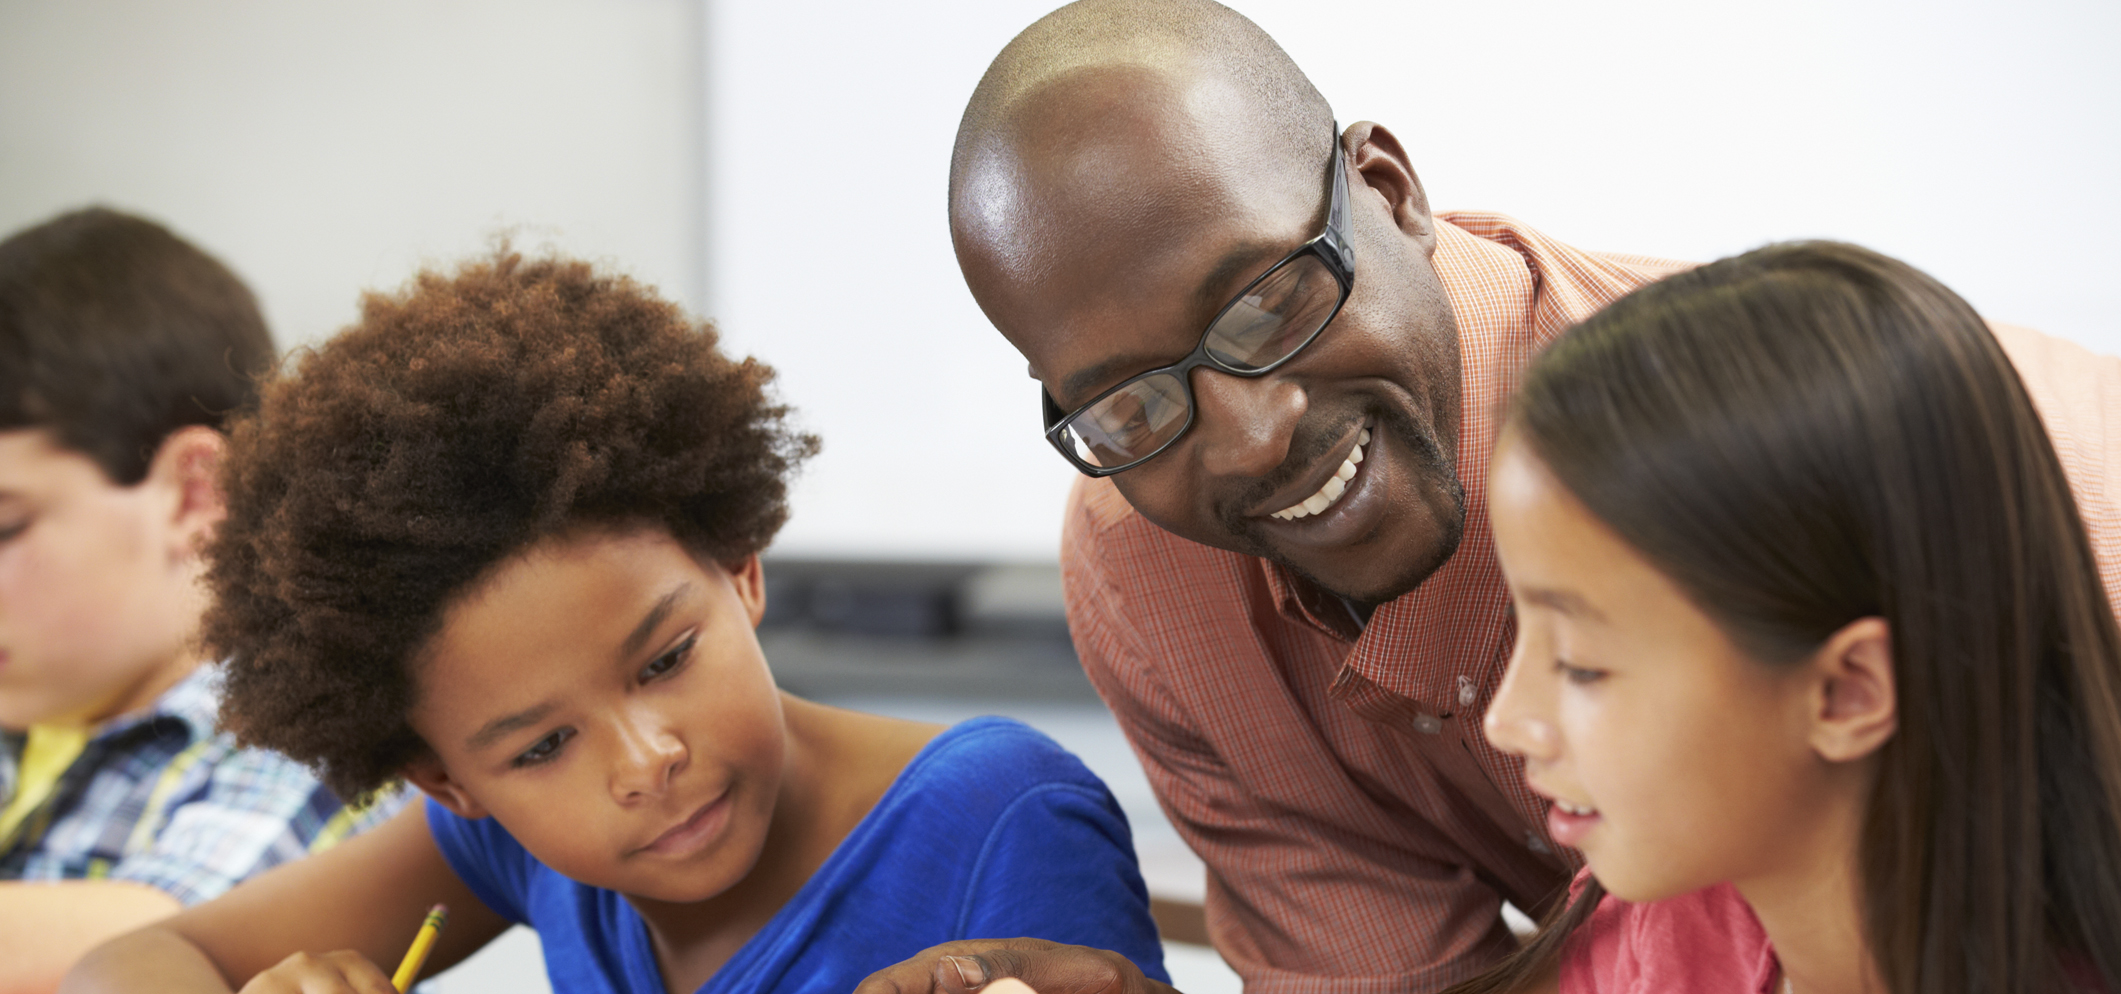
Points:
[(780, 167)]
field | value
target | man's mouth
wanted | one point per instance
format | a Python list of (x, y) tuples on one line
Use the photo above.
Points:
[(1335, 486)]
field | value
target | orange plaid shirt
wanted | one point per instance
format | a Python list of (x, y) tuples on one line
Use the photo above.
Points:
[(1360, 832)]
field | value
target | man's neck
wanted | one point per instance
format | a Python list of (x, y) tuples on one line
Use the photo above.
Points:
[(1345, 617)]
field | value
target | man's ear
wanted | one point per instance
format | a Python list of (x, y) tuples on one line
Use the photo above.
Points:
[(428, 774), (187, 467), (1384, 168), (749, 579), (1855, 708)]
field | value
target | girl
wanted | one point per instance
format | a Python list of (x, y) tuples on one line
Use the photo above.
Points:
[(1813, 659), (501, 539)]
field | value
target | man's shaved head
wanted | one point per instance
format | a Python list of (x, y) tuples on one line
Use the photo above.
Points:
[(1182, 40), (1125, 168)]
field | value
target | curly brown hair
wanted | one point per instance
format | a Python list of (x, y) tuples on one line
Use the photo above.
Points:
[(460, 421)]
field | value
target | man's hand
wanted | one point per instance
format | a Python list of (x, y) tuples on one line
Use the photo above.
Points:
[(1047, 967)]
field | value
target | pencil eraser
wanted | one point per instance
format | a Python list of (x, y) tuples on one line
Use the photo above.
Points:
[(1008, 985)]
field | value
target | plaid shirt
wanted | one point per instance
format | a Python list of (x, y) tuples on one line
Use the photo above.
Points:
[(1360, 832), (161, 798)]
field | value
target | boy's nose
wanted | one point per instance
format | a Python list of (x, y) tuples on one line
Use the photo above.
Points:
[(1245, 424)]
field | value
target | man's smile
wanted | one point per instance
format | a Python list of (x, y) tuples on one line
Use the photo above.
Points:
[(1334, 486)]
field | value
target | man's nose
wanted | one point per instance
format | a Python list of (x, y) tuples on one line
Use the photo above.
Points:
[(649, 756), (1245, 424)]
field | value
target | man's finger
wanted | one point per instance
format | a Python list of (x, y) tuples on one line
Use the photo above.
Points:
[(1045, 967)]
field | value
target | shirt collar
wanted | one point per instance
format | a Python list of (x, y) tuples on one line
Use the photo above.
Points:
[(190, 706)]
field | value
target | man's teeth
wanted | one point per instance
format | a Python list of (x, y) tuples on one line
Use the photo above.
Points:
[(1336, 485), (1574, 810)]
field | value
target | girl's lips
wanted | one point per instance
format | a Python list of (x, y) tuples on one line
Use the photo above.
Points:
[(1568, 828), (693, 833)]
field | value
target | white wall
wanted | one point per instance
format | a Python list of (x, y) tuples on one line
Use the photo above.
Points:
[(323, 148), (1981, 141)]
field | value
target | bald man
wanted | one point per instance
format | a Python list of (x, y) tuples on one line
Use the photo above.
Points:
[(1276, 368)]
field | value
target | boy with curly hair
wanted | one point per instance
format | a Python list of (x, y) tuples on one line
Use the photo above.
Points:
[(501, 539), (122, 348)]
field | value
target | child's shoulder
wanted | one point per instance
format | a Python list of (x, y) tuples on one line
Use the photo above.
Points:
[(1695, 941), (999, 758)]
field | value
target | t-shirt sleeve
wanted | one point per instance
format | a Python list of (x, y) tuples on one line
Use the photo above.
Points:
[(253, 811), (490, 861), (1058, 864)]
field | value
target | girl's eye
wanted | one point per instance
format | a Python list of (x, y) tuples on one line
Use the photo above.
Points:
[(1577, 674), (669, 661), (9, 531), (545, 749)]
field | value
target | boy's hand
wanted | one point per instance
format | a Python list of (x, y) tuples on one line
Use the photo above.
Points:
[(342, 972), (1046, 967)]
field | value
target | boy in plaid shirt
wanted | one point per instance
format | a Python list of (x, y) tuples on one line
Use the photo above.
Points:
[(121, 349)]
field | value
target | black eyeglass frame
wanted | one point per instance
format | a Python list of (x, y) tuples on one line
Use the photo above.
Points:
[(1332, 248)]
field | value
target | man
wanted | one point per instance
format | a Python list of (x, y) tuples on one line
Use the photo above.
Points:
[(1280, 370)]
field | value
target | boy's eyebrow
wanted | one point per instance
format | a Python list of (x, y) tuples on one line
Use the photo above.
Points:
[(654, 620), (1565, 601), (492, 730)]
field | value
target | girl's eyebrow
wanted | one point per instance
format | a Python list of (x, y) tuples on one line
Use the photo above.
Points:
[(1565, 601), (493, 730), (654, 619)]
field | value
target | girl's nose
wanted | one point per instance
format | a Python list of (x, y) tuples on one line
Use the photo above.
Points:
[(1519, 719), (650, 754)]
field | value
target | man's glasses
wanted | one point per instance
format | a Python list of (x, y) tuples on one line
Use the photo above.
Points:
[(1265, 325)]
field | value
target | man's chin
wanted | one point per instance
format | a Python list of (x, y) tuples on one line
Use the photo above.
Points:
[(1370, 575)]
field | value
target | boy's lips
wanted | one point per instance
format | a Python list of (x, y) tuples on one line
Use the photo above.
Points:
[(692, 834)]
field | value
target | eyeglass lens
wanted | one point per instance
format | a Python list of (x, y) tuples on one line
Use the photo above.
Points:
[(1273, 319)]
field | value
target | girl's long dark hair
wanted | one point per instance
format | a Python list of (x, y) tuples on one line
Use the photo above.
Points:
[(1812, 433)]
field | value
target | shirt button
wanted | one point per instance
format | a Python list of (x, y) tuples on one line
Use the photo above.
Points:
[(1533, 842), (1466, 692), (1428, 724)]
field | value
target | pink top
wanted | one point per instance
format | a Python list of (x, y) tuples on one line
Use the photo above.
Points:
[(1705, 942)]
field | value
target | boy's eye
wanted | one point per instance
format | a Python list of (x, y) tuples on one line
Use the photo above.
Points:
[(1577, 674), (669, 661), (545, 749)]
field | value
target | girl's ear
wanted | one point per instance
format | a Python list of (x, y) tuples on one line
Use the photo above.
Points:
[(428, 774), (1856, 706), (750, 582)]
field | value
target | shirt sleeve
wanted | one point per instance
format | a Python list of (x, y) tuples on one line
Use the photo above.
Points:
[(489, 860), (1295, 902), (1058, 864), (253, 811)]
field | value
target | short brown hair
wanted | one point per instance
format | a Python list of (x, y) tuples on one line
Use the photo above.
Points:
[(115, 333), (459, 422)]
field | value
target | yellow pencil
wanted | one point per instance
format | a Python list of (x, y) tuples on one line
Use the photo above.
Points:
[(416, 957)]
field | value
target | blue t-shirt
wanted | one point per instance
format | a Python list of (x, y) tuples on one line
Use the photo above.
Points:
[(992, 831)]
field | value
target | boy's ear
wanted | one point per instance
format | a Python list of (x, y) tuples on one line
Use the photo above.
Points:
[(428, 774), (1856, 707), (187, 466), (749, 579)]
